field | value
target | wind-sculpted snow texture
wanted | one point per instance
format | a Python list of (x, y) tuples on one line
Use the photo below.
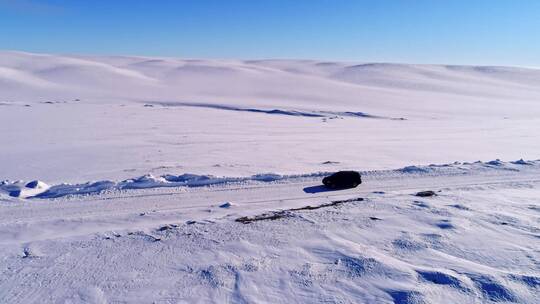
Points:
[(476, 241)]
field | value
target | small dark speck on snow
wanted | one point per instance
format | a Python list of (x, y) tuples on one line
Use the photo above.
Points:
[(427, 193)]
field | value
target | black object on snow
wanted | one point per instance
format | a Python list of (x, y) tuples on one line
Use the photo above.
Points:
[(425, 193), (342, 180)]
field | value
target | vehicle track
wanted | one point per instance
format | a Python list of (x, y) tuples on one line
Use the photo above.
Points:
[(143, 208)]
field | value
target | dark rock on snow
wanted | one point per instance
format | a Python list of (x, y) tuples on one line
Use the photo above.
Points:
[(426, 193)]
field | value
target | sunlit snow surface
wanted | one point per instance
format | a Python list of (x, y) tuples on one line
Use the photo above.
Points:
[(77, 119), (121, 180), (475, 241)]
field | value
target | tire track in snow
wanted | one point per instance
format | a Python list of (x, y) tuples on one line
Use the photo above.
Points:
[(94, 214)]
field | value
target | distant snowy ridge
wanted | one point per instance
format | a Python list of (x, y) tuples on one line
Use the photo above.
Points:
[(387, 89), (39, 189)]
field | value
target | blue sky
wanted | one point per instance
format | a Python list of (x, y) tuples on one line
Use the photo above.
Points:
[(498, 32)]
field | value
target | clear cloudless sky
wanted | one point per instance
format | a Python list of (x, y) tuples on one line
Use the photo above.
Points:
[(492, 32)]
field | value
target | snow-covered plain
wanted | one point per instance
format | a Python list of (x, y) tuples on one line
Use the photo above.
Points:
[(77, 119), (124, 178)]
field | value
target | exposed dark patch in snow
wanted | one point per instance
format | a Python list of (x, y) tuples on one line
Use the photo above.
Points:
[(287, 112), (237, 109), (289, 212), (427, 193)]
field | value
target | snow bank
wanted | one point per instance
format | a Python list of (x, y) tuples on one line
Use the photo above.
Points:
[(38, 189), (20, 190), (23, 190)]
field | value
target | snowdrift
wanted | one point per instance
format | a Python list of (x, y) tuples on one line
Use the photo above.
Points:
[(39, 189)]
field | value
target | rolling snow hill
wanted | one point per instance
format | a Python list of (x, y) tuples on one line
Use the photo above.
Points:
[(80, 118), (166, 180)]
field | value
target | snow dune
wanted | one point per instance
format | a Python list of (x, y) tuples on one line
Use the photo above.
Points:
[(379, 88), (80, 118)]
